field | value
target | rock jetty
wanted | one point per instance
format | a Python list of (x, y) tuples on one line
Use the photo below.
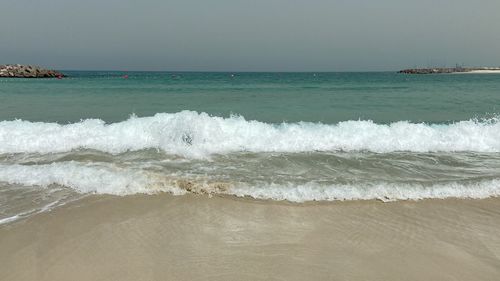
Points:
[(439, 70), (28, 71)]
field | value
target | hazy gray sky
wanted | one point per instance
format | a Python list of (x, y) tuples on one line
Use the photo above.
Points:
[(252, 35)]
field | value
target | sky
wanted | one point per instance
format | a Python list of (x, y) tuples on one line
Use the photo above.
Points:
[(251, 35)]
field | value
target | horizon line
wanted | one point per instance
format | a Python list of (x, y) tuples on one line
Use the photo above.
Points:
[(230, 71)]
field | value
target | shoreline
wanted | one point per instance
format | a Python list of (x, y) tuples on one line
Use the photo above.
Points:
[(451, 70), (485, 71), (193, 237)]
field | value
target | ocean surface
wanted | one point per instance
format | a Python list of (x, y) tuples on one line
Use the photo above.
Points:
[(274, 136)]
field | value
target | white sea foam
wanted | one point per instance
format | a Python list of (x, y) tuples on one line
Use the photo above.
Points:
[(85, 178), (193, 134), (21, 215), (9, 219), (109, 179), (380, 191)]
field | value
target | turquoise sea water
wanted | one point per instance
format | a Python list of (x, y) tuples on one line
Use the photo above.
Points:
[(268, 97), (277, 136)]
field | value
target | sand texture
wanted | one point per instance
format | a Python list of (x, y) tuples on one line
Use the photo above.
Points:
[(164, 237)]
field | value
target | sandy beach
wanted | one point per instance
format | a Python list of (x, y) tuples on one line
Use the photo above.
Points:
[(485, 71), (249, 140), (165, 237)]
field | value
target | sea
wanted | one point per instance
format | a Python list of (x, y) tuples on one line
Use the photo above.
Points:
[(296, 137)]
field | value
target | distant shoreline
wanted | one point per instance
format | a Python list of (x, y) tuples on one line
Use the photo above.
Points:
[(484, 71), (30, 71), (452, 70)]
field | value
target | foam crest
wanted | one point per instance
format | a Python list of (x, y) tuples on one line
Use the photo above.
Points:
[(380, 191), (109, 179), (196, 135), (85, 178)]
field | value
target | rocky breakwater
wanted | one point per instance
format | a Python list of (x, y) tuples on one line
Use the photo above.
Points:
[(28, 71)]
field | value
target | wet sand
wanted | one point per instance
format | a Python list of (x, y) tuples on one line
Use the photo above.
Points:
[(190, 237)]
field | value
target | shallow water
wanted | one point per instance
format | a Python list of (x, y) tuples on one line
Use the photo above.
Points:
[(282, 136)]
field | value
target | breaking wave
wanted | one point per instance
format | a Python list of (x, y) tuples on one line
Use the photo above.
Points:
[(109, 179), (197, 135)]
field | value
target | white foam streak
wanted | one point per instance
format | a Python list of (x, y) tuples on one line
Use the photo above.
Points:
[(109, 179), (382, 191), (84, 178), (9, 219), (196, 135)]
